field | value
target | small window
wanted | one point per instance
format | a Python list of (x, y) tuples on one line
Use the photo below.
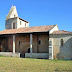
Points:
[(19, 42), (14, 16), (62, 42), (20, 22), (25, 24), (39, 42), (13, 25)]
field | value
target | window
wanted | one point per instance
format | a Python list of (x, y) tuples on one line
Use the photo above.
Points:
[(62, 42), (39, 42), (13, 25), (19, 42), (20, 22), (14, 16), (25, 24)]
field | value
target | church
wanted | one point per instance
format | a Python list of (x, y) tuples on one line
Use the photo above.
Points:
[(20, 40)]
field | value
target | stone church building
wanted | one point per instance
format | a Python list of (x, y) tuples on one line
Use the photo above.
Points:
[(20, 40)]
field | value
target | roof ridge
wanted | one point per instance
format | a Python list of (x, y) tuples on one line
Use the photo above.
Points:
[(36, 26), (61, 32), (64, 30)]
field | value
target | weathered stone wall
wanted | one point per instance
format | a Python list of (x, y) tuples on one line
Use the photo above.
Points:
[(12, 17), (10, 54), (17, 21), (43, 47), (65, 51), (35, 43), (9, 23), (22, 43), (37, 55), (7, 44), (10, 43), (25, 43)]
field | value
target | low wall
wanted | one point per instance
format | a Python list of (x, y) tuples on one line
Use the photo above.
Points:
[(10, 54), (37, 55)]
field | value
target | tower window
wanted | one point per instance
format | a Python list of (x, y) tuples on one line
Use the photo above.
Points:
[(20, 22), (13, 25), (62, 42)]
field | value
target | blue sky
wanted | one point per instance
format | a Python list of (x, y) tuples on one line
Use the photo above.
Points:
[(40, 12)]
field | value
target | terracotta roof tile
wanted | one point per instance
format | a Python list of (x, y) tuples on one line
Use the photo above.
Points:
[(61, 32), (27, 29)]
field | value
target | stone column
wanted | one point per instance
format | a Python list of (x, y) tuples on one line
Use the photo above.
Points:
[(30, 45), (50, 48), (13, 43)]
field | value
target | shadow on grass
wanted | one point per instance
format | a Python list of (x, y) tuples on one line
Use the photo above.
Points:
[(55, 60), (3, 56)]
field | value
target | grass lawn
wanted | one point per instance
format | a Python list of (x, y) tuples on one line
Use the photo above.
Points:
[(10, 64)]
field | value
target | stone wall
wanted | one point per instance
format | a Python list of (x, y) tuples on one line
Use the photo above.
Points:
[(9, 23), (10, 54), (6, 44), (22, 43), (43, 47), (17, 21), (37, 55), (65, 51), (10, 43), (35, 43)]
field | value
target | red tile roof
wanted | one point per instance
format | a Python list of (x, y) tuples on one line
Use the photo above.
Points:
[(28, 29), (61, 32)]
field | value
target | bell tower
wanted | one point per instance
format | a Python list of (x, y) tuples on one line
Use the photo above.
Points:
[(12, 13), (13, 21)]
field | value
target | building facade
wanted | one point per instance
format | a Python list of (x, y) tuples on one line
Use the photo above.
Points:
[(20, 40)]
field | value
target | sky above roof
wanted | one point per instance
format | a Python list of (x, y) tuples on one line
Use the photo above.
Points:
[(40, 12)]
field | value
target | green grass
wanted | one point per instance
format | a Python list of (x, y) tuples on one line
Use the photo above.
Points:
[(11, 64), (2, 56)]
